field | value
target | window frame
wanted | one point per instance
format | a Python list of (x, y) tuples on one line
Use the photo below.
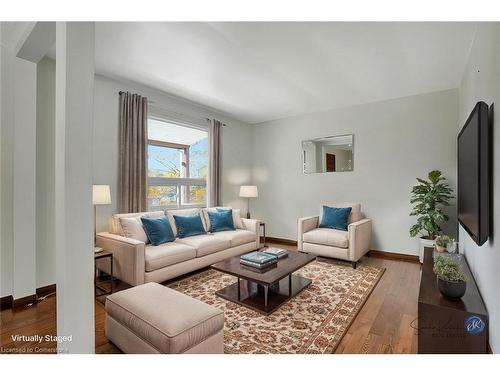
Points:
[(183, 182)]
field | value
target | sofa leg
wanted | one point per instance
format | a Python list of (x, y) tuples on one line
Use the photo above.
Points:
[(354, 264)]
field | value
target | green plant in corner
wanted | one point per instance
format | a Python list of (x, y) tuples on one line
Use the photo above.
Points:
[(428, 198), (448, 270), (443, 240)]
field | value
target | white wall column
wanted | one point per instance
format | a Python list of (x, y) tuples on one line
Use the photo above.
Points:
[(73, 185), (24, 178), (6, 162), (18, 135)]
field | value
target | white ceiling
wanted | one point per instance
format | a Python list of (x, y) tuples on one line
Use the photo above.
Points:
[(259, 71)]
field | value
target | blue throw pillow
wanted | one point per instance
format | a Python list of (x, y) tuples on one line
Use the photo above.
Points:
[(221, 220), (335, 218), (158, 230), (189, 225)]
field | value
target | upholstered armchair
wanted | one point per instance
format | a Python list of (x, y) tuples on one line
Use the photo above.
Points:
[(348, 245)]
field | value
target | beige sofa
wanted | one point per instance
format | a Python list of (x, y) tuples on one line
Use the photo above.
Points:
[(137, 262), (348, 245)]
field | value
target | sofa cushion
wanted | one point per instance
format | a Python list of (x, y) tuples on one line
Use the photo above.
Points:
[(238, 224), (185, 212), (170, 321), (237, 237), (115, 225), (206, 244), (327, 236), (158, 230), (166, 254)]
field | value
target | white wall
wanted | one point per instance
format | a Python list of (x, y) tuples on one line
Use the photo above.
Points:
[(6, 160), (481, 81), (236, 140), (27, 255), (395, 141), (18, 88), (24, 175), (35, 262), (45, 173), (74, 238)]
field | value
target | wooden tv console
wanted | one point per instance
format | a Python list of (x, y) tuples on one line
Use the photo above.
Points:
[(447, 326)]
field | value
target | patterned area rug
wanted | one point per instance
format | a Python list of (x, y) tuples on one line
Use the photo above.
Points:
[(314, 321)]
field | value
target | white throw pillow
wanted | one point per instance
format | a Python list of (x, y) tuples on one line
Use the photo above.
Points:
[(238, 223), (132, 228), (115, 226)]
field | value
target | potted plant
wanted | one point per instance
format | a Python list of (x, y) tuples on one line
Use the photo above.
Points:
[(452, 282), (428, 198), (442, 242)]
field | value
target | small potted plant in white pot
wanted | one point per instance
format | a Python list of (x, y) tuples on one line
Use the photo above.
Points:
[(442, 242), (451, 280), (428, 198)]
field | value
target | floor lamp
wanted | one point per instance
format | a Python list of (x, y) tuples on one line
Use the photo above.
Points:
[(101, 195)]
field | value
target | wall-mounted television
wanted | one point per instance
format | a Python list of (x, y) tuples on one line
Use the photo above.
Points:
[(474, 174)]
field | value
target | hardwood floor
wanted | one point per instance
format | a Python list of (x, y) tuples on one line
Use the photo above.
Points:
[(384, 324), (39, 319)]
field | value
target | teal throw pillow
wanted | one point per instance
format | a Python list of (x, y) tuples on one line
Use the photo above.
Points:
[(158, 230), (335, 218), (221, 220), (188, 226)]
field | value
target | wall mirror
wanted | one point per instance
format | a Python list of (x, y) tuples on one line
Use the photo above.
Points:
[(328, 154)]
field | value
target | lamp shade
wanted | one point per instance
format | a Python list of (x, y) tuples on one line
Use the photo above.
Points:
[(101, 194), (249, 191)]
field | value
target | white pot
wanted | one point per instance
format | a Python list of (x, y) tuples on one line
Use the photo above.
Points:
[(423, 244)]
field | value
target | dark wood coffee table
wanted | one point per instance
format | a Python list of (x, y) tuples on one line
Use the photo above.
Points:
[(264, 292)]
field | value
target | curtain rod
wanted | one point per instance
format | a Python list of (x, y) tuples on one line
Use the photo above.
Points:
[(178, 113)]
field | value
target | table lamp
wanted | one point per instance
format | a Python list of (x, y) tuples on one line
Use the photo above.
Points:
[(248, 191)]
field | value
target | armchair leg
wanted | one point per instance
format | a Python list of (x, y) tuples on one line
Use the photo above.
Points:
[(354, 264)]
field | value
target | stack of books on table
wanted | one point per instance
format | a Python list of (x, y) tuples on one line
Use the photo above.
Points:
[(279, 253), (258, 259)]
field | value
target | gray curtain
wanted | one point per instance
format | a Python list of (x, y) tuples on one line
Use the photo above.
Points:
[(214, 189), (133, 124)]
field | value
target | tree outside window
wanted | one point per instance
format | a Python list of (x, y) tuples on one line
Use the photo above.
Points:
[(177, 165)]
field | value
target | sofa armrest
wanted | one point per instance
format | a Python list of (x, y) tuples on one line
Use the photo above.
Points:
[(305, 224), (254, 226), (128, 257), (360, 234)]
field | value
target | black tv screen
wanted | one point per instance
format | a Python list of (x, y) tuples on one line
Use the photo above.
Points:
[(474, 174)]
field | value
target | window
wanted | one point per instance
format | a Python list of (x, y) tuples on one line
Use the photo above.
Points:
[(177, 165)]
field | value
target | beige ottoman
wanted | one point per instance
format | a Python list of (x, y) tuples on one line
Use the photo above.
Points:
[(152, 318)]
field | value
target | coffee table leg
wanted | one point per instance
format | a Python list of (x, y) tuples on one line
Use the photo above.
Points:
[(239, 293), (290, 285), (266, 292)]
